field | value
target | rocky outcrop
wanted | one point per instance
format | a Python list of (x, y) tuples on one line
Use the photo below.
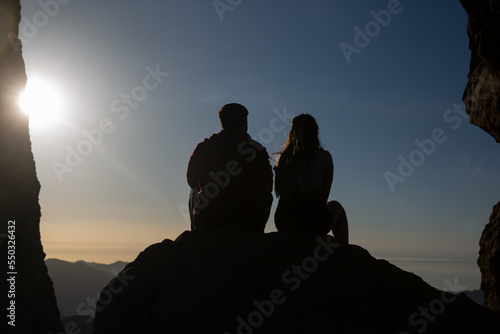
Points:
[(482, 101), (489, 261), (225, 280), (482, 94), (31, 289)]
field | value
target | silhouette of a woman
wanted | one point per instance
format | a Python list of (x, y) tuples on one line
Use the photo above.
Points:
[(304, 175)]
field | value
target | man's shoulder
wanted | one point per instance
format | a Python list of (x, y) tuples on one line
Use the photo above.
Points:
[(224, 136), (213, 137), (256, 144), (239, 140), (243, 138), (208, 141)]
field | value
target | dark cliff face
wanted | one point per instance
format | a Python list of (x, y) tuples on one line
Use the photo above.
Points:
[(225, 280), (482, 94), (33, 294), (489, 261), (482, 100)]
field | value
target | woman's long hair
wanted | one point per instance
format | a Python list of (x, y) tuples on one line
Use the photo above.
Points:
[(301, 145)]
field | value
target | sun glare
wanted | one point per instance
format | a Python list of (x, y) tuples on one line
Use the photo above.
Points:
[(41, 101)]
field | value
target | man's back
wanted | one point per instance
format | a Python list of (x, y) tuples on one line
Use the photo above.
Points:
[(234, 178)]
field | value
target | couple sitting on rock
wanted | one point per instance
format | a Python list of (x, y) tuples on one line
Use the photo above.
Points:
[(231, 180)]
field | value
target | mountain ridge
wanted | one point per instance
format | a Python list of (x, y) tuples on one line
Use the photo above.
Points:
[(77, 283)]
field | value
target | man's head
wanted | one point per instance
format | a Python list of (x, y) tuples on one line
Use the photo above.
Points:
[(233, 116)]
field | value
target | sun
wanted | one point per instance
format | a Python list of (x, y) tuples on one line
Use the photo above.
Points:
[(41, 101)]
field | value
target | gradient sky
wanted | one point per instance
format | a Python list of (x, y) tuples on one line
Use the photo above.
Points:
[(277, 58)]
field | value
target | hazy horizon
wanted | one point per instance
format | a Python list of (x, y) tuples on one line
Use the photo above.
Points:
[(140, 85)]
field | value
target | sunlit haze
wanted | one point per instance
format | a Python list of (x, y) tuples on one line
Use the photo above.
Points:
[(140, 84), (42, 102)]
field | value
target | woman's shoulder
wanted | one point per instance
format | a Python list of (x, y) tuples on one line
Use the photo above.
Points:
[(323, 151), (325, 157)]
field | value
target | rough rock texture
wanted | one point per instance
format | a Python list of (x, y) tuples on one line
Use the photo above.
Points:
[(482, 101), (224, 280), (489, 261), (482, 94), (36, 308)]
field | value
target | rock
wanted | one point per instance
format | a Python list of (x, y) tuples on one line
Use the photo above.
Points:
[(482, 101), (225, 280), (489, 261), (35, 303), (482, 93)]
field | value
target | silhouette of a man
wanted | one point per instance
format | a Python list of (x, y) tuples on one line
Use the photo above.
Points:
[(230, 176)]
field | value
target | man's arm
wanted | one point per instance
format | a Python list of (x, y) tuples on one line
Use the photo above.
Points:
[(263, 170), (266, 172), (193, 168)]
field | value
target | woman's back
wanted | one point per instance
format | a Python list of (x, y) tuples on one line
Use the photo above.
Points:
[(304, 174), (311, 174)]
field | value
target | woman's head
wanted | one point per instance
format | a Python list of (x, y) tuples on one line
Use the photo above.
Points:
[(300, 146), (304, 133), (302, 139)]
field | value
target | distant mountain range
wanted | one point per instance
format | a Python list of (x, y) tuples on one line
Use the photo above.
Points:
[(476, 295), (77, 284)]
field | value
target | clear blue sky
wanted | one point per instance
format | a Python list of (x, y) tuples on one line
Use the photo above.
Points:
[(276, 58)]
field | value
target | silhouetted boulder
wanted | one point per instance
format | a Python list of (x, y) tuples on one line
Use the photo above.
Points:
[(34, 309), (225, 280), (489, 261)]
